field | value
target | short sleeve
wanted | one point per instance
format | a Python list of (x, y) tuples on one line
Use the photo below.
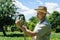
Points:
[(41, 29)]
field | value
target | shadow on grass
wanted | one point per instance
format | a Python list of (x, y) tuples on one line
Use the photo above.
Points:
[(13, 35)]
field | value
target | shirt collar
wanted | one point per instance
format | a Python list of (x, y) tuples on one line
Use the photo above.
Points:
[(41, 21)]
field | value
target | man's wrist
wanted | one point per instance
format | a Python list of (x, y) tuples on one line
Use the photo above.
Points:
[(26, 30)]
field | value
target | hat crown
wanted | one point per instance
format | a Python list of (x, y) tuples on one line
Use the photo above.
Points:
[(42, 7)]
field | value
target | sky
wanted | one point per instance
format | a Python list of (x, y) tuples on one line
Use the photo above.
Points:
[(27, 7)]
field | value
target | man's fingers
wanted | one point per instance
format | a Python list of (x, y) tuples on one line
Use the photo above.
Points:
[(17, 23)]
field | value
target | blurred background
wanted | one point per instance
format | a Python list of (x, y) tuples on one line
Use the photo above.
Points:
[(10, 11)]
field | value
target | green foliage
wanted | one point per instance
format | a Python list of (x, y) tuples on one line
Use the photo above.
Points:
[(34, 20), (7, 10), (30, 26), (32, 23), (54, 19)]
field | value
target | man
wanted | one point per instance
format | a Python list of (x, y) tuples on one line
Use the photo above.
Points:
[(42, 30)]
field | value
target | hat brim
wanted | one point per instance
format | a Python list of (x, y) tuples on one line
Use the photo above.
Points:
[(43, 11)]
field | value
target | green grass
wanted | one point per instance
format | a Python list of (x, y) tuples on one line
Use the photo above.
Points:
[(12, 36), (55, 36), (19, 36)]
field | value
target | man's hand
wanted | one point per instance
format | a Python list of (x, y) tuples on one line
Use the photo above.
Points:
[(24, 28), (18, 23)]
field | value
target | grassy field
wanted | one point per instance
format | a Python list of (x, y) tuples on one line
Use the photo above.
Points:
[(55, 36), (19, 36)]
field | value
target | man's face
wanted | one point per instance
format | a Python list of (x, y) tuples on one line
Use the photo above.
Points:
[(41, 14)]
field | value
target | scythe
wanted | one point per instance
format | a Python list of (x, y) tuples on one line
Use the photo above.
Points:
[(21, 17)]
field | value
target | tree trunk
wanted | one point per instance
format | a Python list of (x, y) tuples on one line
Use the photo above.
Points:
[(3, 30)]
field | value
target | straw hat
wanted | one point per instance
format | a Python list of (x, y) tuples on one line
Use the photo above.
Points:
[(42, 9)]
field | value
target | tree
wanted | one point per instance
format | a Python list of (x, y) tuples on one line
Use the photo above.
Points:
[(32, 23), (7, 10), (54, 19), (34, 20)]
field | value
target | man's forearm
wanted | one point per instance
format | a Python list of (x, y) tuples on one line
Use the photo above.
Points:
[(30, 33)]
